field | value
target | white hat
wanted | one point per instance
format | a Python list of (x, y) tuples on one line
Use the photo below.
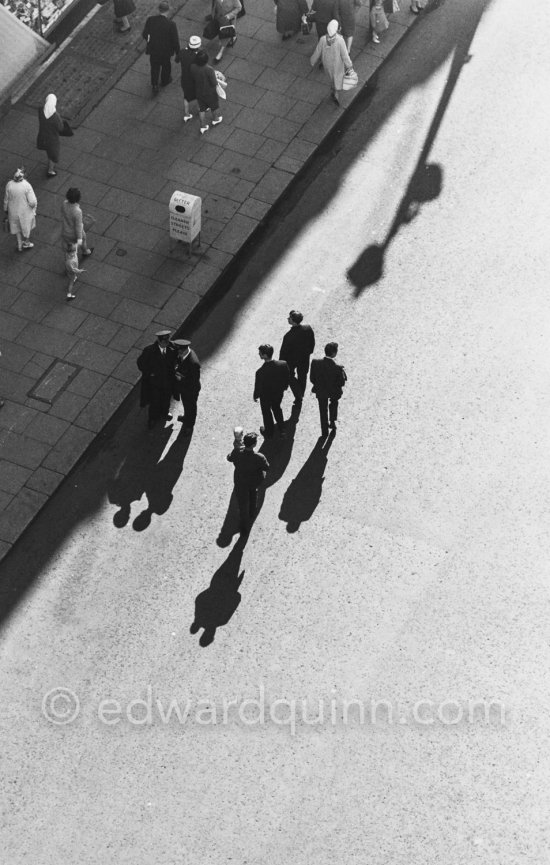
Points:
[(195, 42), (332, 27)]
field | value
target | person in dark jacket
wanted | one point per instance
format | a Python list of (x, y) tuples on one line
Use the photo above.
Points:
[(156, 363), (323, 11), (272, 379), (122, 9), (50, 126), (328, 378), (186, 58), (205, 80), (187, 383), (297, 346), (250, 471), (163, 42)]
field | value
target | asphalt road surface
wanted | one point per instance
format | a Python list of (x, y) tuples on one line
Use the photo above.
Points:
[(402, 566)]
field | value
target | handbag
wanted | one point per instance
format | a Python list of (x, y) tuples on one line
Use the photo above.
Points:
[(221, 84), (351, 80), (66, 132), (228, 31), (211, 30)]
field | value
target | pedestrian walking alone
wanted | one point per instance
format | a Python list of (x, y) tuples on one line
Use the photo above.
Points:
[(289, 16), (20, 208), (161, 35), (249, 474), (156, 364), (186, 58), (225, 14), (328, 379), (72, 223), (123, 8), (296, 348), (50, 127), (272, 379), (331, 50), (187, 383), (206, 83)]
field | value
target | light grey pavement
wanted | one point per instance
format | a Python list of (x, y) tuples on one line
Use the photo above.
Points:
[(418, 574), (65, 369)]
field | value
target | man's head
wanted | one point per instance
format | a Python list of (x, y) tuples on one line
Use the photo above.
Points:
[(295, 317), (163, 337), (250, 440), (331, 349), (73, 195), (195, 42), (164, 7), (265, 351), (182, 346)]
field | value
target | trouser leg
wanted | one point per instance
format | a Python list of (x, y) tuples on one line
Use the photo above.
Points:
[(294, 384), (166, 72), (269, 426), (302, 369), (323, 414), (333, 411), (189, 403), (155, 72), (278, 413)]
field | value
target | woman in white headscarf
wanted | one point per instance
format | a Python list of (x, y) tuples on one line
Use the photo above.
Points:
[(332, 52), (49, 128), (20, 209)]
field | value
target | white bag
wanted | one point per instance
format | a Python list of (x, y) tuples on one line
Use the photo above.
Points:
[(351, 80), (221, 84)]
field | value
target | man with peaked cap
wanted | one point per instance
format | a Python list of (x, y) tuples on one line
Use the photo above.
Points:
[(187, 383), (297, 346), (161, 35), (156, 363)]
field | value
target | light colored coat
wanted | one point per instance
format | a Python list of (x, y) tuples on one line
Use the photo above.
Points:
[(20, 203), (335, 58)]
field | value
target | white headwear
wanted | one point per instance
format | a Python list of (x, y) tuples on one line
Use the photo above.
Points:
[(332, 27), (50, 105)]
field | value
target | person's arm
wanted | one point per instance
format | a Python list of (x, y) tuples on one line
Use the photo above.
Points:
[(57, 121), (31, 197), (311, 341), (286, 377), (316, 56), (256, 388), (283, 353), (345, 56), (145, 33), (175, 39), (78, 225)]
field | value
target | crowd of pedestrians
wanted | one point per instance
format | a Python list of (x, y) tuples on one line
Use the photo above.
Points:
[(170, 370)]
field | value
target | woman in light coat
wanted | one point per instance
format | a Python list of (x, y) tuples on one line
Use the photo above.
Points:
[(20, 207), (50, 125), (332, 52)]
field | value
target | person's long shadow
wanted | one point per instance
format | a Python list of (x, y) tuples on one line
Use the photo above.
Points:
[(277, 452), (133, 476), (161, 482), (304, 493), (215, 606)]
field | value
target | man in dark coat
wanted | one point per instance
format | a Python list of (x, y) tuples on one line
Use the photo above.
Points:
[(328, 378), (187, 57), (162, 39), (272, 379), (250, 471), (297, 346), (187, 383), (156, 363)]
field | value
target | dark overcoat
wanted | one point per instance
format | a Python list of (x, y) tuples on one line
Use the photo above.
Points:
[(157, 371)]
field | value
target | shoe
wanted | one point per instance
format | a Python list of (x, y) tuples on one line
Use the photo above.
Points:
[(415, 10), (215, 122), (52, 174), (241, 14), (27, 244), (187, 118), (204, 129), (232, 41), (375, 38), (71, 296), (216, 60), (88, 252)]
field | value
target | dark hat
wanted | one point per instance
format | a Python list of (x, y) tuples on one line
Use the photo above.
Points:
[(181, 343), (163, 333)]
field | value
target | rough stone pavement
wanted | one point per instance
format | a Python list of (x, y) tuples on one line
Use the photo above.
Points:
[(66, 368)]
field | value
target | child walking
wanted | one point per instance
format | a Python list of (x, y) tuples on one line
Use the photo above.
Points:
[(378, 21), (72, 269)]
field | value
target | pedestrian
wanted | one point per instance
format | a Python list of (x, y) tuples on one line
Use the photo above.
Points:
[(161, 35), (249, 474), (347, 10), (323, 11), (378, 21), (187, 383), (50, 126), (72, 269), (20, 208), (417, 6), (289, 16), (205, 80), (225, 14), (328, 379), (123, 8), (272, 379), (297, 346), (156, 364), (72, 223), (187, 57), (331, 50)]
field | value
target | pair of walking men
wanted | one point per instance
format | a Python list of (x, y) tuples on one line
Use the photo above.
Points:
[(170, 370)]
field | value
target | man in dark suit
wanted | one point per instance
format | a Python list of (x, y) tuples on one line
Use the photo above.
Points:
[(162, 39), (297, 346), (250, 471), (328, 378), (272, 379), (156, 363), (187, 383)]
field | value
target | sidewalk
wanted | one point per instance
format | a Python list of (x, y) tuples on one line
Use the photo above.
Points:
[(66, 368)]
